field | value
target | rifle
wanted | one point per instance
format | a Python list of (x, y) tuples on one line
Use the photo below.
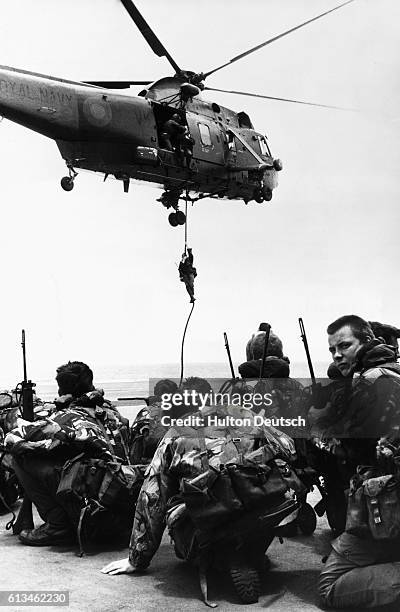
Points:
[(26, 388), (307, 350), (267, 333), (229, 355), (134, 399), (317, 394), (25, 517), (324, 463)]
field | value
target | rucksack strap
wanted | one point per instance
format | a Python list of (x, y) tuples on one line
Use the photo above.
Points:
[(4, 501), (14, 516), (82, 515)]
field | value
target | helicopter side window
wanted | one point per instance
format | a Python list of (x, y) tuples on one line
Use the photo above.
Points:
[(231, 142), (205, 135)]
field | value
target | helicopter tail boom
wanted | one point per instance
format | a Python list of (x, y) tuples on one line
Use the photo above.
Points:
[(72, 111), (39, 103)]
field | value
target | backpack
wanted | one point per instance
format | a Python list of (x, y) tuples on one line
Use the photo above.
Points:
[(374, 505), (216, 496), (9, 487), (101, 493), (8, 412)]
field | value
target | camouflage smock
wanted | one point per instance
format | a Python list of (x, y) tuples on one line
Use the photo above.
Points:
[(88, 423), (178, 455)]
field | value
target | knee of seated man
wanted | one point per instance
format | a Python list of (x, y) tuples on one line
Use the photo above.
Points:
[(360, 551), (348, 552), (336, 565), (45, 469)]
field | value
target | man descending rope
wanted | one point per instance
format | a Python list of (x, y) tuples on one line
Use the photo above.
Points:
[(187, 273)]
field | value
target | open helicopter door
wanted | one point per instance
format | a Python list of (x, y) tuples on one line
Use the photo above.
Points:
[(209, 140)]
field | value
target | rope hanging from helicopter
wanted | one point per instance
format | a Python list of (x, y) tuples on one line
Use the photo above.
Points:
[(187, 274), (186, 218), (183, 344)]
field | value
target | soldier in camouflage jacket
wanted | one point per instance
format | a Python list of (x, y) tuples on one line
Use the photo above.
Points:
[(178, 456), (80, 421)]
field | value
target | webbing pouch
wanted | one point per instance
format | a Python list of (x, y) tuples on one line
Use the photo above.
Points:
[(383, 507), (81, 477), (257, 485), (120, 485), (374, 505), (357, 514), (210, 498)]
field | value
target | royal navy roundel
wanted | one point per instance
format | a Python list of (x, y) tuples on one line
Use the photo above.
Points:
[(97, 111)]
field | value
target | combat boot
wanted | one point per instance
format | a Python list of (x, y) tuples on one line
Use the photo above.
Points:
[(46, 535)]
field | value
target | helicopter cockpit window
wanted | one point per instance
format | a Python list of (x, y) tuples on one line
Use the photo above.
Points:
[(264, 146), (205, 135)]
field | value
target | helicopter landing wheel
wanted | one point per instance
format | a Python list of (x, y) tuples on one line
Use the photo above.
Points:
[(67, 183), (258, 196), (180, 217), (173, 220), (267, 193)]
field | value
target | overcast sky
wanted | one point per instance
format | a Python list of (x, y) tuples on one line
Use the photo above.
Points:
[(91, 275)]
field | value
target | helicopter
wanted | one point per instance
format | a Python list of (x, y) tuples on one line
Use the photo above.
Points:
[(167, 134)]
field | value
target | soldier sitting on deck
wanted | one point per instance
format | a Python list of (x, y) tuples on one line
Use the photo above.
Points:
[(83, 424), (363, 568), (180, 456), (146, 430)]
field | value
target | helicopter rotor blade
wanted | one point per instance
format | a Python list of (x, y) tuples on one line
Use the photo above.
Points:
[(116, 84), (271, 40), (253, 95), (154, 42)]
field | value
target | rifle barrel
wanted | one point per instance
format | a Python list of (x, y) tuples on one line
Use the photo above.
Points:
[(132, 399), (25, 516), (267, 333), (229, 355), (24, 355), (307, 350), (27, 388)]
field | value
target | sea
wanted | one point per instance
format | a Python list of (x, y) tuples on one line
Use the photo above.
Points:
[(121, 383)]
